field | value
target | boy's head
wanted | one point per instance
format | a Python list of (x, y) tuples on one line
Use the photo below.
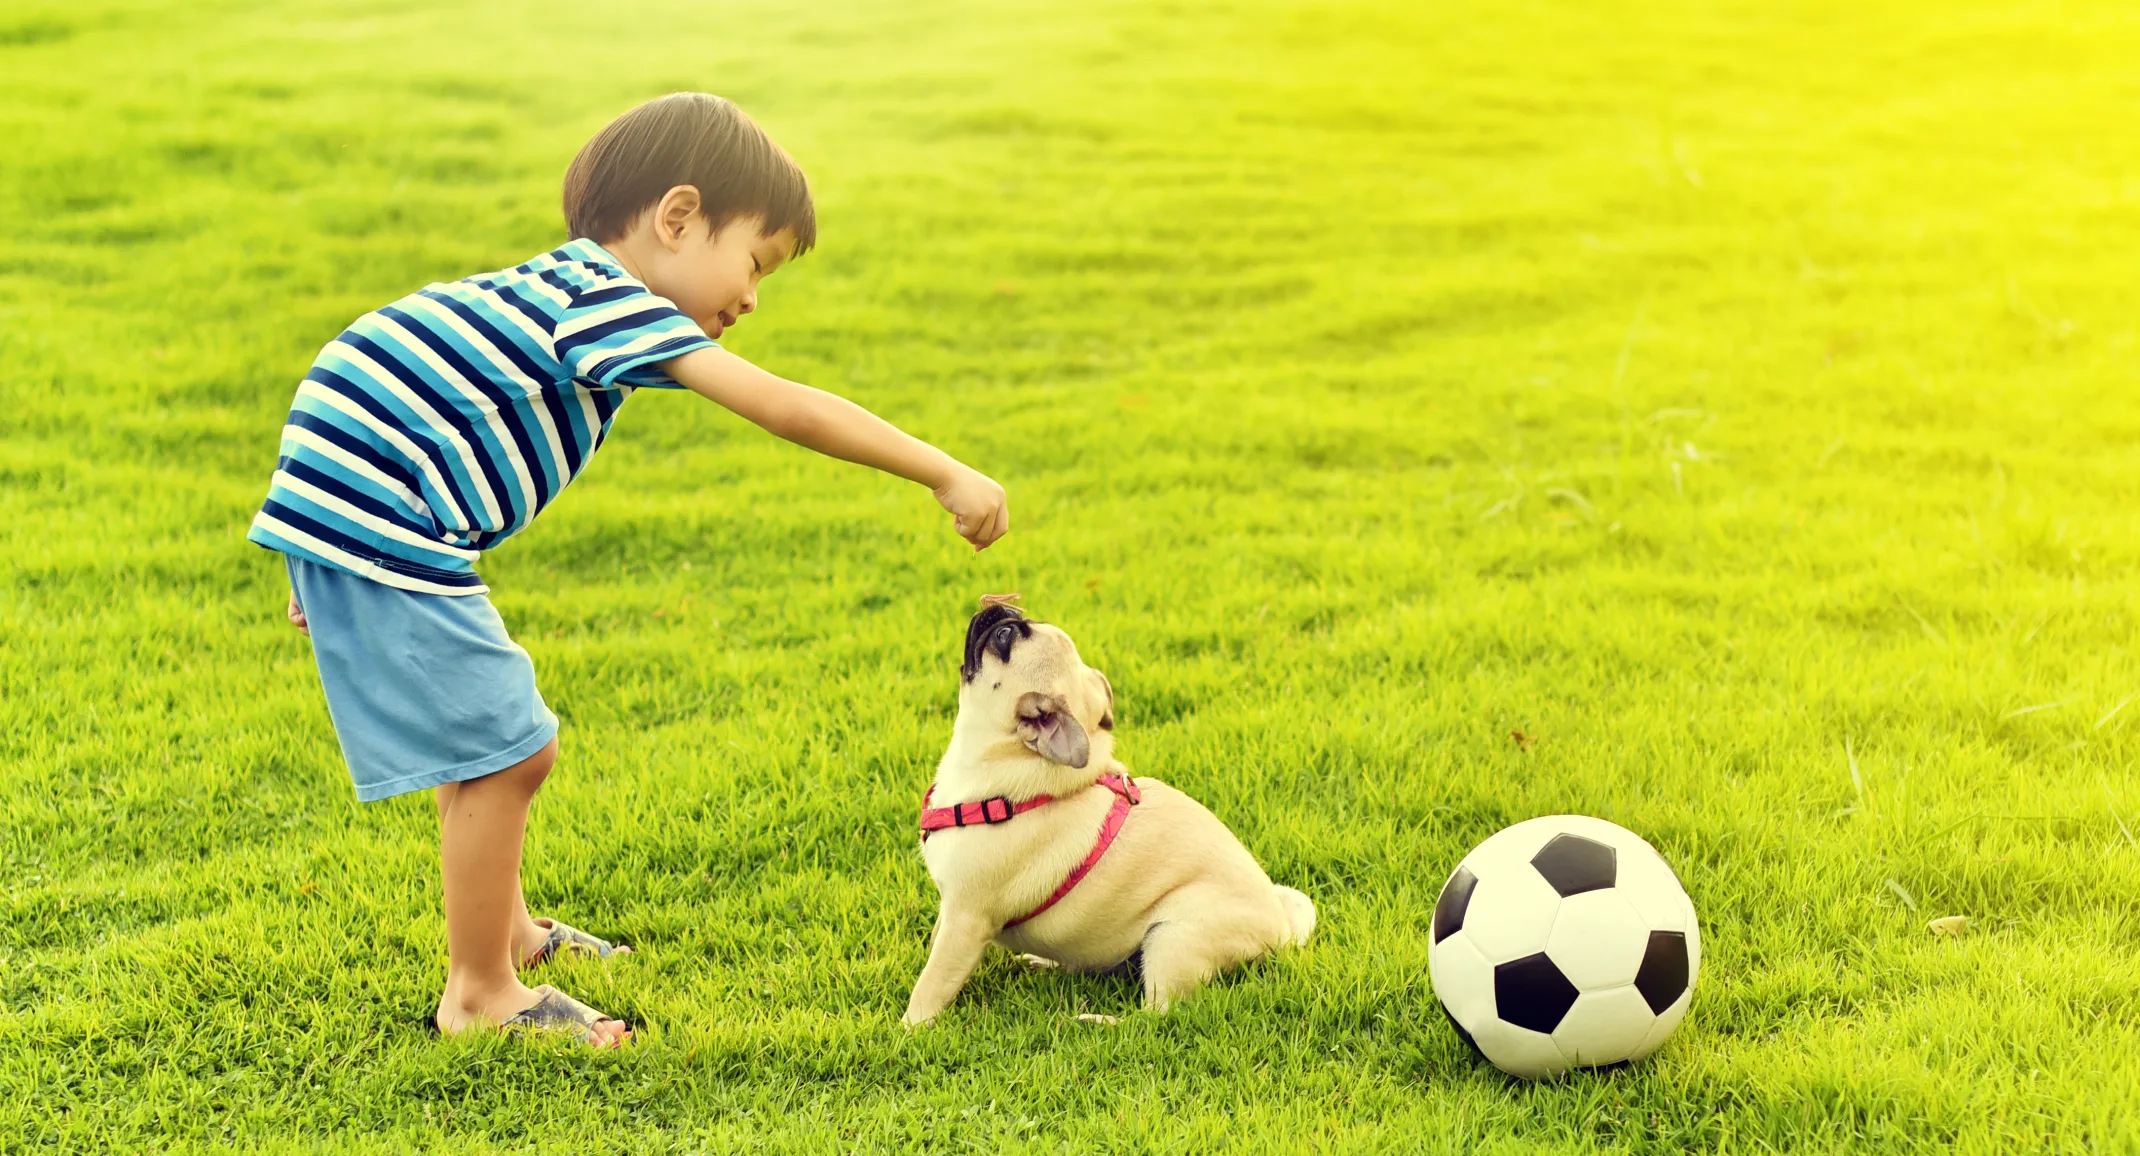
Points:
[(695, 199)]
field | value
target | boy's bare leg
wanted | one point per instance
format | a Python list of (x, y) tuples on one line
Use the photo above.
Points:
[(527, 934), (484, 823)]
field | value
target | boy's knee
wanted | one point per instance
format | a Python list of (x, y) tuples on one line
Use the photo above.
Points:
[(528, 773)]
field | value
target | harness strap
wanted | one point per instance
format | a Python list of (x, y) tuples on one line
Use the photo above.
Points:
[(988, 811), (1001, 810)]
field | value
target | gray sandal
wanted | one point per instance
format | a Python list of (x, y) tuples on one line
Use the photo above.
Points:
[(558, 1012), (571, 941)]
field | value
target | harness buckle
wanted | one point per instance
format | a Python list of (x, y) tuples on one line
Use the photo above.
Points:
[(990, 817)]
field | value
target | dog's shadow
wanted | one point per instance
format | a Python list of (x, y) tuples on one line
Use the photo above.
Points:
[(1005, 978), (1004, 981)]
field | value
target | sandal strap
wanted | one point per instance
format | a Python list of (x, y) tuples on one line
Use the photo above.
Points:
[(569, 939), (555, 1011)]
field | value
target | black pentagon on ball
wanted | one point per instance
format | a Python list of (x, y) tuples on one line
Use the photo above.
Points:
[(1449, 909), (1532, 993), (1573, 865), (1663, 975)]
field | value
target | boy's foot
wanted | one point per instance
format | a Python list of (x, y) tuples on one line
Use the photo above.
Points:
[(558, 1012), (540, 1009), (557, 939)]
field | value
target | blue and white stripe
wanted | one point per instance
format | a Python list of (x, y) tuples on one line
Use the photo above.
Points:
[(438, 426)]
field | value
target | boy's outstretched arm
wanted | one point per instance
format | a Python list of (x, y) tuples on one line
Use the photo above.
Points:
[(839, 428)]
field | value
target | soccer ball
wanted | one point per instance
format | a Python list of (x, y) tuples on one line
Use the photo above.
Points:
[(1564, 942)]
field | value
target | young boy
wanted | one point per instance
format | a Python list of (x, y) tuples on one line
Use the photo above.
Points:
[(440, 425)]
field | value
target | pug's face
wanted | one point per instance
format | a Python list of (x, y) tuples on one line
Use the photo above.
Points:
[(1026, 678)]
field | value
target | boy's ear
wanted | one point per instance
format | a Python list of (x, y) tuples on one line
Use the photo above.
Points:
[(673, 213)]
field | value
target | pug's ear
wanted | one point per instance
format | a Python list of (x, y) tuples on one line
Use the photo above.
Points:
[(1107, 713), (1065, 743), (1048, 730)]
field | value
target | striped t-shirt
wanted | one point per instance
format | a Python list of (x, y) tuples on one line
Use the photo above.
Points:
[(438, 426)]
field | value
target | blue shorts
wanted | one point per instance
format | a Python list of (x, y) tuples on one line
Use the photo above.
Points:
[(424, 689)]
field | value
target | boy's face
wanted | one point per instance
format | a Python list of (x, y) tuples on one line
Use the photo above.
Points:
[(713, 276)]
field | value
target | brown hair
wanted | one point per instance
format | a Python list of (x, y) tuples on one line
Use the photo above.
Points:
[(686, 138)]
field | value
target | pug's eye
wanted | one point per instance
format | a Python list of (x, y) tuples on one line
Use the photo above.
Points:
[(1005, 635)]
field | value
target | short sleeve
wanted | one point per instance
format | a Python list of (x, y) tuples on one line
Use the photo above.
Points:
[(614, 332)]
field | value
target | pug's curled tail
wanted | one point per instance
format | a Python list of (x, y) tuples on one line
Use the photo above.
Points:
[(1299, 915)]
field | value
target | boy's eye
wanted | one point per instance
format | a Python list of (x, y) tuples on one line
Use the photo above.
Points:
[(756, 266)]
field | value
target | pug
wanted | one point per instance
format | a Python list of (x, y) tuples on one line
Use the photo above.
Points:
[(1039, 840)]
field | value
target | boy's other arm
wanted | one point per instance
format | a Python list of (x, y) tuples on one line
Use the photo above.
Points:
[(839, 428)]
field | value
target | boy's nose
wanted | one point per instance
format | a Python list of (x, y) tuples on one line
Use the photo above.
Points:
[(748, 304)]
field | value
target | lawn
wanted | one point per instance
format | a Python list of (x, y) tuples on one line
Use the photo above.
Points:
[(1718, 417)]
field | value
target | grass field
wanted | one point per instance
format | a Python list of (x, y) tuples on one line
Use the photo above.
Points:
[(1736, 399)]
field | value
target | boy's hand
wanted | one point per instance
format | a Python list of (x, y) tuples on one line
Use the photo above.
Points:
[(979, 510), (297, 617)]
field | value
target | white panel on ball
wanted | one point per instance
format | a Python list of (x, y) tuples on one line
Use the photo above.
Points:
[(1597, 940), (1604, 1027), (1652, 890), (1519, 1051), (1694, 946), (1662, 1030), (1463, 980), (1512, 911)]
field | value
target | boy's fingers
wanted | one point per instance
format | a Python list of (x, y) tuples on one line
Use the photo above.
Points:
[(983, 526), (986, 532)]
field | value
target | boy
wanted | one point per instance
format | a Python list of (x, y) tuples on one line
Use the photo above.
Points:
[(438, 426)]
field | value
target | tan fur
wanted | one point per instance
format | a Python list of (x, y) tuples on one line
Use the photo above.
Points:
[(1176, 883)]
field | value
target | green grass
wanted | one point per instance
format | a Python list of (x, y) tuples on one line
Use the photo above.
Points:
[(1714, 392)]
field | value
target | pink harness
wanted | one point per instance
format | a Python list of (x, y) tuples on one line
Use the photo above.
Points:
[(1001, 810)]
